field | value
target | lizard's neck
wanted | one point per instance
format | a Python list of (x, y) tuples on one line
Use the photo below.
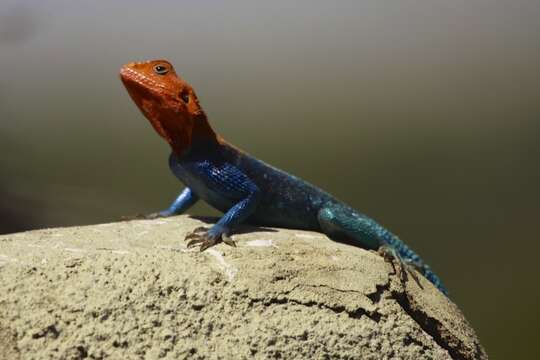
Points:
[(202, 129), (201, 134)]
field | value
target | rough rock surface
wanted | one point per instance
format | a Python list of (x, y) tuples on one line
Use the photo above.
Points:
[(132, 290)]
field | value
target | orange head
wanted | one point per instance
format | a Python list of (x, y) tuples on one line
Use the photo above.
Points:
[(167, 101)]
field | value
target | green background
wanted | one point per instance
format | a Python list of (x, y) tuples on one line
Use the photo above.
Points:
[(422, 114)]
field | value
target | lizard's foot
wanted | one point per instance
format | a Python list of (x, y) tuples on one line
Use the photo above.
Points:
[(207, 238), (405, 266), (156, 215), (132, 217)]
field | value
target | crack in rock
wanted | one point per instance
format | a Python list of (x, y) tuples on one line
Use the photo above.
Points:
[(431, 326), (435, 329), (282, 298)]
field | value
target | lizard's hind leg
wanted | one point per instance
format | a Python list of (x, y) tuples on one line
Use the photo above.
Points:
[(338, 220)]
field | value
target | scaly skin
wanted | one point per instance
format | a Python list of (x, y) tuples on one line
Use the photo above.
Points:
[(244, 188)]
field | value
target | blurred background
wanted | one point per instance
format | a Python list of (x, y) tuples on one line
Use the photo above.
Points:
[(422, 114)]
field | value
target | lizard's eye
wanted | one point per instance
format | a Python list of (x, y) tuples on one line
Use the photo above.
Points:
[(161, 69), (185, 97)]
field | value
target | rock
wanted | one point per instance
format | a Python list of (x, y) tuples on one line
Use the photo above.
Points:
[(132, 290)]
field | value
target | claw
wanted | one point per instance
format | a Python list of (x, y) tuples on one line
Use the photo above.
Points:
[(410, 267), (201, 236), (132, 217), (207, 244), (194, 242), (196, 233), (389, 253), (142, 217), (228, 240), (405, 266), (153, 216), (192, 236)]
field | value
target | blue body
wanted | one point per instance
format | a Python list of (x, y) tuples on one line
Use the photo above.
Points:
[(248, 190)]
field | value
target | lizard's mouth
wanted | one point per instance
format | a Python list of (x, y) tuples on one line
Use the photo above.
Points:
[(144, 91), (135, 80)]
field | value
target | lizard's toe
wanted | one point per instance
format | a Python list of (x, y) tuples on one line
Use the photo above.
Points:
[(196, 233), (203, 238), (132, 217), (387, 252), (405, 266), (206, 238), (208, 243), (194, 241), (151, 216), (228, 240), (155, 215)]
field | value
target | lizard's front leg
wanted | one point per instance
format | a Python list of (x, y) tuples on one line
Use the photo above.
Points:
[(183, 202), (221, 230)]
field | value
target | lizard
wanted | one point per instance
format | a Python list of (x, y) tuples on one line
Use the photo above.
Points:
[(244, 188)]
